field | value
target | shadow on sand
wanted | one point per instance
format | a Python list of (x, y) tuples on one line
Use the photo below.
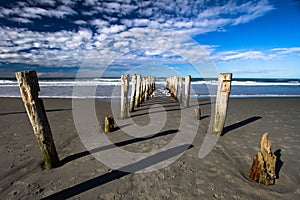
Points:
[(108, 177), (239, 124), (118, 144), (279, 162), (24, 112)]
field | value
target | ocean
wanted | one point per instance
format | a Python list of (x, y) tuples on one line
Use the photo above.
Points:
[(107, 88)]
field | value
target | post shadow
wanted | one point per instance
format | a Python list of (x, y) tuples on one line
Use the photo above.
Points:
[(148, 107), (159, 111), (279, 163), (118, 144), (24, 112), (205, 116), (239, 124), (116, 174)]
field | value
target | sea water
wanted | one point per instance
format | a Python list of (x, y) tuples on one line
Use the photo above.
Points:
[(103, 88)]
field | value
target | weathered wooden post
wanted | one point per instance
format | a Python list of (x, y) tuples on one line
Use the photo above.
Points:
[(146, 88), (180, 89), (109, 124), (263, 169), (138, 91), (175, 87), (224, 85), (197, 113), (154, 82), (143, 89), (168, 83), (133, 92), (124, 96), (187, 91), (29, 88)]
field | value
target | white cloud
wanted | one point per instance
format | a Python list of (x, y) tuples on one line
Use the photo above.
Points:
[(47, 2), (113, 29), (21, 20), (80, 22), (286, 50)]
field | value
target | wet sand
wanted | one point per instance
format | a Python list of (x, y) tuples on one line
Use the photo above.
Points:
[(222, 174)]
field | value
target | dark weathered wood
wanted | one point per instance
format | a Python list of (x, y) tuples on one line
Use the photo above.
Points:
[(29, 89), (109, 124), (187, 91), (264, 163), (124, 96), (224, 85), (133, 92)]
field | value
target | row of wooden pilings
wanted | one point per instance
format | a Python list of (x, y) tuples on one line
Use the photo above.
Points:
[(172, 86), (222, 98), (141, 89)]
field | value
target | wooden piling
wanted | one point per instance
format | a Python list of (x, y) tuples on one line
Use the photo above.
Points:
[(180, 89), (138, 91), (143, 89), (29, 88), (197, 113), (153, 84), (147, 89), (124, 96), (109, 124), (224, 85), (263, 169), (133, 92), (175, 88), (187, 91)]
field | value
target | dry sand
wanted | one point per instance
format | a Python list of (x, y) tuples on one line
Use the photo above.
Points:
[(222, 174)]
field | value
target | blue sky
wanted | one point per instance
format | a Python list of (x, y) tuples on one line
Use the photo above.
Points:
[(58, 38)]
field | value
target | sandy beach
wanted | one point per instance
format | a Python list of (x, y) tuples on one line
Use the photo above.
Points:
[(222, 174)]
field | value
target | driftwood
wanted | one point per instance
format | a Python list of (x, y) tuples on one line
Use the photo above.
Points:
[(264, 163)]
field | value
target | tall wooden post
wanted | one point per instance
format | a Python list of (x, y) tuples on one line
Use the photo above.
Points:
[(187, 91), (197, 113), (133, 92), (154, 83), (223, 92), (168, 83), (138, 91), (29, 88), (143, 89), (147, 90), (175, 87), (124, 96), (180, 89)]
